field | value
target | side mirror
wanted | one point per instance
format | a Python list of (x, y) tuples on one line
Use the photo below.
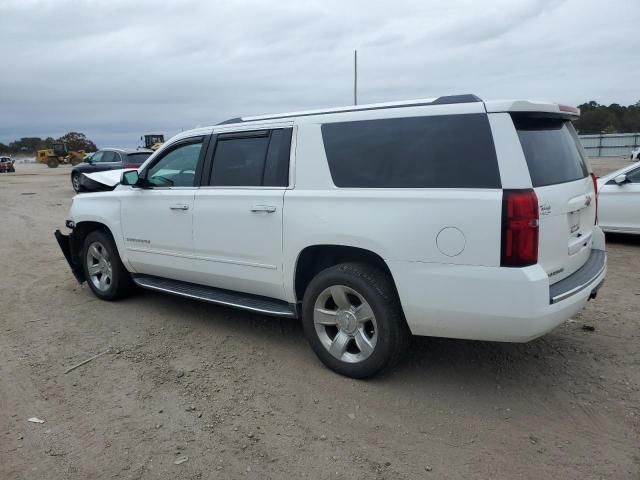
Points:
[(620, 179), (130, 177)]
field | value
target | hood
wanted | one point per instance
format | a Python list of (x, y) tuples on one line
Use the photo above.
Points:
[(101, 181)]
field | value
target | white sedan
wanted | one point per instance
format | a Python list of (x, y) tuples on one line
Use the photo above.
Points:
[(619, 200), (635, 154)]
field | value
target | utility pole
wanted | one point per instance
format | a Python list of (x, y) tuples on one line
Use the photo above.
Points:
[(355, 77)]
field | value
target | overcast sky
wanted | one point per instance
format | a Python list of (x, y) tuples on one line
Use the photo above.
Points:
[(116, 69)]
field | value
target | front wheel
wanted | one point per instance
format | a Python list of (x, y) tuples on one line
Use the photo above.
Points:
[(53, 162), (75, 182), (353, 320), (103, 269)]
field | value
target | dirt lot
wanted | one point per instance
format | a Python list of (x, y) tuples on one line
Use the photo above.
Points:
[(242, 396)]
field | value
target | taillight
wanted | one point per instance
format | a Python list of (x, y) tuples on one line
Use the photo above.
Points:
[(131, 165), (519, 228), (595, 191), (568, 108)]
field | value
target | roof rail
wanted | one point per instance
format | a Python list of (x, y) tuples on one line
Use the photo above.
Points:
[(444, 100)]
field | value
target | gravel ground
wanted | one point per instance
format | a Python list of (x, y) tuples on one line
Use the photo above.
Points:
[(189, 390)]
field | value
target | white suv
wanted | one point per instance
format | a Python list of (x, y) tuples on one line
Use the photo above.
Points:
[(450, 217)]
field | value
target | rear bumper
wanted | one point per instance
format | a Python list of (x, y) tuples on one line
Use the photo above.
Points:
[(581, 279), (488, 303), (65, 243)]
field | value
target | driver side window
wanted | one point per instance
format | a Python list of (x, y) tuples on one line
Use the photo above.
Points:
[(634, 176), (177, 168), (97, 157)]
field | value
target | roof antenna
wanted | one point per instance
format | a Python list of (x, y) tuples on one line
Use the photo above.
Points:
[(355, 77)]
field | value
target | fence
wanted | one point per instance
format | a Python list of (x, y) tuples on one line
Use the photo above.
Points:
[(610, 145)]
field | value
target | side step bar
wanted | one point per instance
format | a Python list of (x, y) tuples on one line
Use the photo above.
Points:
[(244, 301)]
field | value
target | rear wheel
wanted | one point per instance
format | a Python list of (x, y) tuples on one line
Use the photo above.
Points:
[(103, 269), (53, 162), (353, 320)]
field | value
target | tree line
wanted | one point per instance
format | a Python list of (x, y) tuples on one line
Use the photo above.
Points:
[(30, 145), (615, 118), (594, 119)]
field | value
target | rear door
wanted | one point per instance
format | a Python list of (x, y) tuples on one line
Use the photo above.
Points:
[(237, 224), (560, 176), (110, 160)]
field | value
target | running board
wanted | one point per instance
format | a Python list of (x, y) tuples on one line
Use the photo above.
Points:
[(228, 298)]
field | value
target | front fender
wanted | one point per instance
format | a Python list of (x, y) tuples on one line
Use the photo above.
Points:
[(101, 208)]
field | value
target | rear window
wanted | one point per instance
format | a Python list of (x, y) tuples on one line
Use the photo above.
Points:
[(137, 158), (446, 151), (552, 150)]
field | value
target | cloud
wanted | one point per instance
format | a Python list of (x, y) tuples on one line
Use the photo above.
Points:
[(115, 69)]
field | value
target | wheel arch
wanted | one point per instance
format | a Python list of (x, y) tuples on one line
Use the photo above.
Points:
[(314, 258), (80, 232)]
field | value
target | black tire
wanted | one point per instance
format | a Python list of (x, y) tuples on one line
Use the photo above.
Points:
[(376, 287), (120, 284), (53, 163), (75, 182)]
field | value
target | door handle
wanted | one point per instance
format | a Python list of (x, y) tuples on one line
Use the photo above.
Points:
[(179, 206), (263, 208)]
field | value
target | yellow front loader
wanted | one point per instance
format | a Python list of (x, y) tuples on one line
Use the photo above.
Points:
[(152, 141), (59, 153)]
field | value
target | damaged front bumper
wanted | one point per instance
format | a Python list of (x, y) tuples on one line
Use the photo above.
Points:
[(66, 245)]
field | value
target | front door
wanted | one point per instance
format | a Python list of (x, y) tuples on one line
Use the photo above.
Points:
[(157, 221), (620, 204)]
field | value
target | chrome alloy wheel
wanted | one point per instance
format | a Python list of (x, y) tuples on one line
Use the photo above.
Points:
[(345, 324), (99, 266), (75, 181)]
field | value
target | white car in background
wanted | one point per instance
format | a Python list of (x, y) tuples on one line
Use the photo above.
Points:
[(635, 154), (619, 200)]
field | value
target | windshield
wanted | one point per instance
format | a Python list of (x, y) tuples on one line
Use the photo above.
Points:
[(151, 139)]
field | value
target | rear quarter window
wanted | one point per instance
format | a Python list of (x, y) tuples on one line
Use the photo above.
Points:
[(445, 151), (552, 150), (137, 158)]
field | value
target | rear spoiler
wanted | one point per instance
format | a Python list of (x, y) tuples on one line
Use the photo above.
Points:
[(533, 107)]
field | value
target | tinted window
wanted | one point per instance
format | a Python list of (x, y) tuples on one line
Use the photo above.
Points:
[(108, 156), (137, 158), (634, 176), (450, 151), (177, 168), (552, 149), (96, 157), (239, 161), (276, 169)]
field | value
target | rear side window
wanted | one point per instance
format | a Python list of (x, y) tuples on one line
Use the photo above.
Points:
[(446, 151), (109, 156), (552, 150), (137, 158), (252, 159)]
